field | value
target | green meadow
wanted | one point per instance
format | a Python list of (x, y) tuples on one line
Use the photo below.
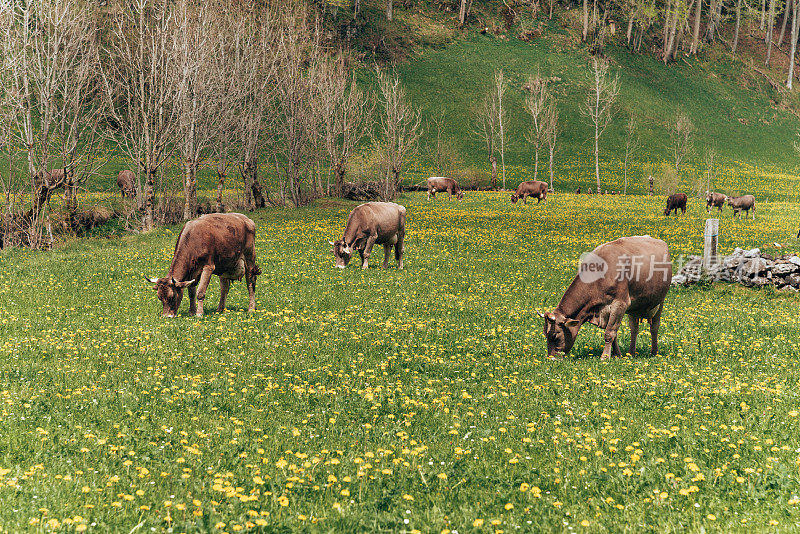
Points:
[(418, 400)]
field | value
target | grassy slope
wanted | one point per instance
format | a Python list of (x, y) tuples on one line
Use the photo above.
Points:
[(361, 400), (732, 111)]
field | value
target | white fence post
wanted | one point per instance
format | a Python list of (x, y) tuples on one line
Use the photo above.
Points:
[(710, 234)]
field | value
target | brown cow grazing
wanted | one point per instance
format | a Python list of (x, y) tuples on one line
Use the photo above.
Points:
[(371, 223), (126, 181), (676, 202), (744, 203), (219, 243), (440, 185), (714, 200), (628, 276), (531, 188)]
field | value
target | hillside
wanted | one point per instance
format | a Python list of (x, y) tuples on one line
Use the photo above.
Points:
[(734, 110)]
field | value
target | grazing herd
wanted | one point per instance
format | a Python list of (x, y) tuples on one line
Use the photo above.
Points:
[(629, 276)]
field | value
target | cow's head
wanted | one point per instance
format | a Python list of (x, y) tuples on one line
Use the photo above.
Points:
[(342, 253), (728, 200), (170, 293), (666, 210), (514, 198), (560, 333), (460, 195)]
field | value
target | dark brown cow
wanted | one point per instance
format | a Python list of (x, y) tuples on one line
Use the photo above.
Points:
[(219, 243), (126, 181), (676, 202), (371, 223), (441, 185), (532, 188), (714, 200), (53, 178), (628, 276), (744, 203)]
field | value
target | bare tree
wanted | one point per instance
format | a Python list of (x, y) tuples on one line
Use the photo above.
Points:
[(399, 126), (498, 96), (141, 93), (632, 145), (551, 133), (793, 51), (197, 91), (345, 113), (50, 50), (536, 104), (296, 85), (255, 61), (681, 137), (738, 22), (485, 129), (770, 30), (599, 105), (709, 158)]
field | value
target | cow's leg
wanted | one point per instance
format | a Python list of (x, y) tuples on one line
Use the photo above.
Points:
[(224, 286), (524, 198), (612, 327), (202, 286), (634, 323), (368, 250), (399, 248), (250, 274), (192, 290), (431, 194), (655, 322), (387, 251)]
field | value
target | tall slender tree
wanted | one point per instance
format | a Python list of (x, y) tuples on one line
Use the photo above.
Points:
[(599, 105)]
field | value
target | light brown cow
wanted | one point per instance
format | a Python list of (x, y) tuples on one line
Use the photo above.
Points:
[(628, 276), (744, 203), (371, 223), (219, 243), (126, 181), (531, 188), (441, 185), (714, 200)]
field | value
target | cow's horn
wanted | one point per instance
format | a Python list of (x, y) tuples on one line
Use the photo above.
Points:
[(331, 242), (540, 314), (151, 280)]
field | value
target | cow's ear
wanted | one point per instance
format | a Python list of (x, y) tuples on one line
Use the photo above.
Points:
[(183, 284), (151, 280), (572, 323)]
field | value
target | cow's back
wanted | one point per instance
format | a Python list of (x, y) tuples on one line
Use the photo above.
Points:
[(640, 266), (219, 237), (440, 183), (382, 216)]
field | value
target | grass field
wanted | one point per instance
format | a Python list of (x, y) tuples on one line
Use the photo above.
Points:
[(397, 401)]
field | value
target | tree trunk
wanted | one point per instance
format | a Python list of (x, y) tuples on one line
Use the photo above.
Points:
[(493, 161), (389, 8), (696, 30), (339, 171), (536, 166), (736, 31), (552, 149), (462, 12), (220, 207), (630, 29), (770, 30), (667, 20), (786, 13), (585, 33), (189, 190), (255, 185), (597, 155), (763, 13), (794, 46), (149, 199)]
